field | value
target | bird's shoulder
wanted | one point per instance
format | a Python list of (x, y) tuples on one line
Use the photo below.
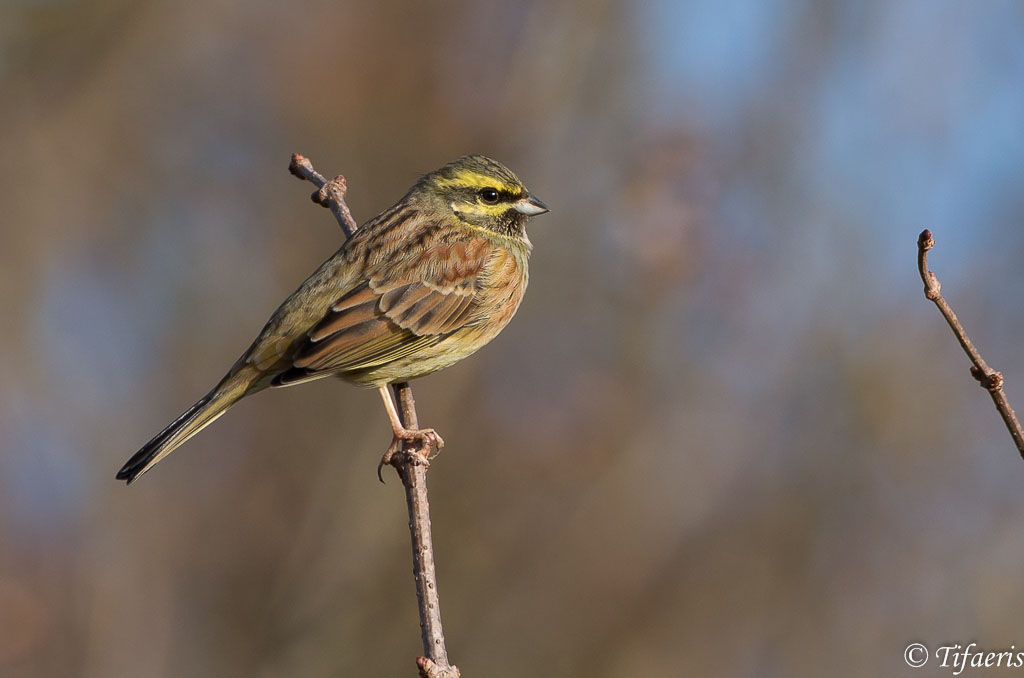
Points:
[(406, 245)]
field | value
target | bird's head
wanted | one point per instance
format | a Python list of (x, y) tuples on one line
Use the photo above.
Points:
[(482, 193)]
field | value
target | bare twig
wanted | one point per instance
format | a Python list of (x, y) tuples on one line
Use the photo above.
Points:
[(410, 462), (331, 194), (989, 379), (413, 472)]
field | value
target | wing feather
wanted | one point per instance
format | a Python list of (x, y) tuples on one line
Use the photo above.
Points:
[(351, 317)]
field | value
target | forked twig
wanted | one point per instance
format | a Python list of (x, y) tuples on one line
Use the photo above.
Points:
[(408, 463), (330, 194), (990, 380)]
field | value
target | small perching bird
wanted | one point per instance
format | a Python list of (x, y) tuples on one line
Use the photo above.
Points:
[(419, 287)]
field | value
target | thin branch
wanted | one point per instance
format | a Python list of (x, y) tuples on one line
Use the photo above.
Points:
[(410, 462), (989, 379), (412, 469), (330, 194)]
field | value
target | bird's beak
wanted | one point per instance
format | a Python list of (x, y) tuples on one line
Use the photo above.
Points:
[(531, 206)]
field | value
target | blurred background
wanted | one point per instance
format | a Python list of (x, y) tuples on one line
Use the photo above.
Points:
[(726, 434)]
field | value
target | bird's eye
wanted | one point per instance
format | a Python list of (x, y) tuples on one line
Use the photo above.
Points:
[(489, 196)]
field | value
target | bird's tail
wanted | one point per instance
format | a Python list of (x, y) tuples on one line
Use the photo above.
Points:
[(191, 422)]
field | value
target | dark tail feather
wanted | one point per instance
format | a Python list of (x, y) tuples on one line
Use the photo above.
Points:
[(194, 420), (146, 457)]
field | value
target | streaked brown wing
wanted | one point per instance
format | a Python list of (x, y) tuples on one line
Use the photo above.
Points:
[(406, 305)]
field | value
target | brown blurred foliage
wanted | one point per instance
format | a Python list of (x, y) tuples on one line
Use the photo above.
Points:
[(725, 435)]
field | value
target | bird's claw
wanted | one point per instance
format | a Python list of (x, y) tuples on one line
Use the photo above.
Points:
[(430, 446)]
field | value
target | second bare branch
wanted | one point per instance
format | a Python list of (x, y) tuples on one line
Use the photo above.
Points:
[(990, 380)]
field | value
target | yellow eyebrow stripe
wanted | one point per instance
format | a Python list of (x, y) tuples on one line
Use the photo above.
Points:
[(467, 179)]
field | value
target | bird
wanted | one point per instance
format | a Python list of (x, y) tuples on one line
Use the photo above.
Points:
[(417, 288)]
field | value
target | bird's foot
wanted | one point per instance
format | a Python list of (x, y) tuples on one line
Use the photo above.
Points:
[(427, 445)]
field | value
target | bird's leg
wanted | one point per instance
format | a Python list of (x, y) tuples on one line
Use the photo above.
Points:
[(428, 436)]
